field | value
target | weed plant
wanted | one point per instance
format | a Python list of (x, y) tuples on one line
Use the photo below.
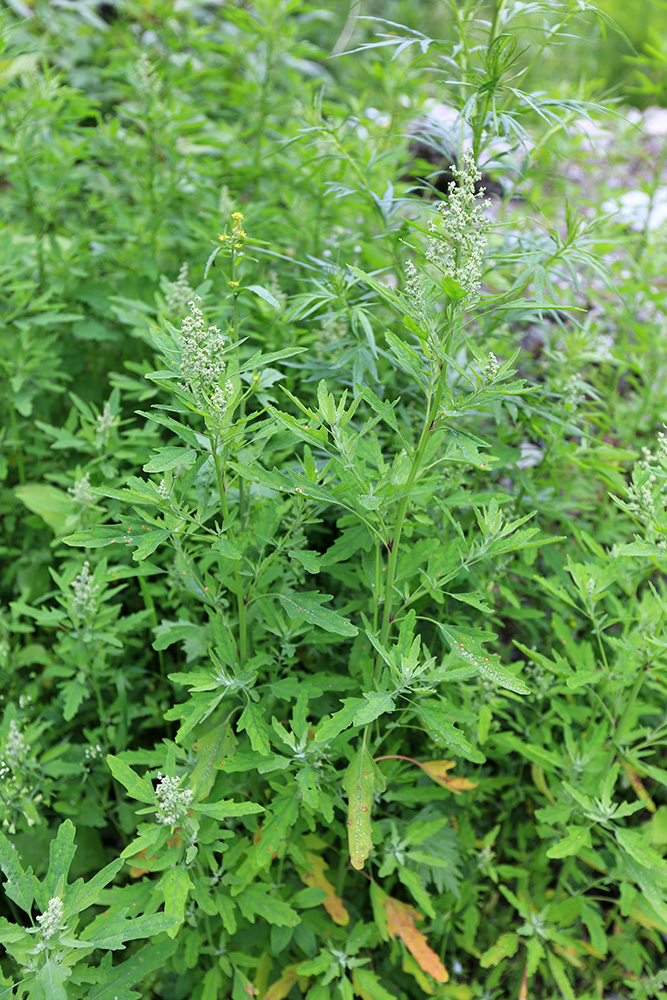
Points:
[(333, 494)]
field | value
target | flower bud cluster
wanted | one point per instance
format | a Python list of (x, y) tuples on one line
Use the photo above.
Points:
[(15, 752), (179, 294), (149, 80), (106, 422), (85, 601), (202, 361), (51, 919), (173, 801), (458, 243), (80, 492)]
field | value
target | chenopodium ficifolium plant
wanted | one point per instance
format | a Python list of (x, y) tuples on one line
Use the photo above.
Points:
[(249, 779)]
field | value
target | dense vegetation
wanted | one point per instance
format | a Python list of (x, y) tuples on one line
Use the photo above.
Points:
[(333, 472)]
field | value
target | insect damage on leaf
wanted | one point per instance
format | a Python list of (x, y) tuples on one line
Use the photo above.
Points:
[(401, 921), (362, 778)]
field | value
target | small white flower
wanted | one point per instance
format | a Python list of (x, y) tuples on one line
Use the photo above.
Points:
[(80, 492), (202, 361)]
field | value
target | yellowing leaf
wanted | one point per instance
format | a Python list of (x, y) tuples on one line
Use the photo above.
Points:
[(437, 771), (362, 778), (315, 876), (505, 947), (401, 921), (282, 986), (639, 787)]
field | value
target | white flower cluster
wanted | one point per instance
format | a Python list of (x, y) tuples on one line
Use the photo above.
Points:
[(457, 246), (92, 752), (173, 801), (15, 752), (149, 81), (85, 590), (106, 422), (414, 290), (51, 919), (179, 293), (491, 368), (80, 492), (202, 362)]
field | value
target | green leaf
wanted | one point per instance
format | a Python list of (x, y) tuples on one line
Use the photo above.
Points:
[(362, 779), (473, 653), (262, 901), (443, 730), (227, 809), (111, 930), (51, 979), (407, 359), (306, 607), (149, 542), (82, 895), (252, 721), (505, 947), (577, 838), (137, 788), (368, 986), (170, 458), (148, 959), (227, 548), (20, 886), (634, 843), (54, 506), (337, 723), (175, 887), (377, 703), (561, 980), (276, 828), (61, 854), (262, 293), (216, 745), (414, 884)]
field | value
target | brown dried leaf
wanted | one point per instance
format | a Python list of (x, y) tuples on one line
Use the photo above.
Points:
[(436, 770), (333, 904), (401, 920)]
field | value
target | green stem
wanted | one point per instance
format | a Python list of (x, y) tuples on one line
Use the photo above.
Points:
[(150, 607), (394, 543), (238, 582)]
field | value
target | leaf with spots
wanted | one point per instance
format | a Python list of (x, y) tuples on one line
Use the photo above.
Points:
[(362, 778), (401, 921), (308, 608), (442, 729), (471, 651), (332, 903)]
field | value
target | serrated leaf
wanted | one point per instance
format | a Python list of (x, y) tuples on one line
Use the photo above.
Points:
[(262, 901), (227, 808), (276, 828), (112, 930), (137, 788), (442, 729), (226, 548), (174, 887), (368, 986), (148, 959), (82, 895), (332, 903), (558, 972), (415, 886), (377, 703), (362, 779), (252, 721), (170, 458), (473, 653), (51, 979), (306, 607), (20, 884), (218, 744), (61, 854), (341, 720), (577, 838), (505, 947), (633, 842)]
